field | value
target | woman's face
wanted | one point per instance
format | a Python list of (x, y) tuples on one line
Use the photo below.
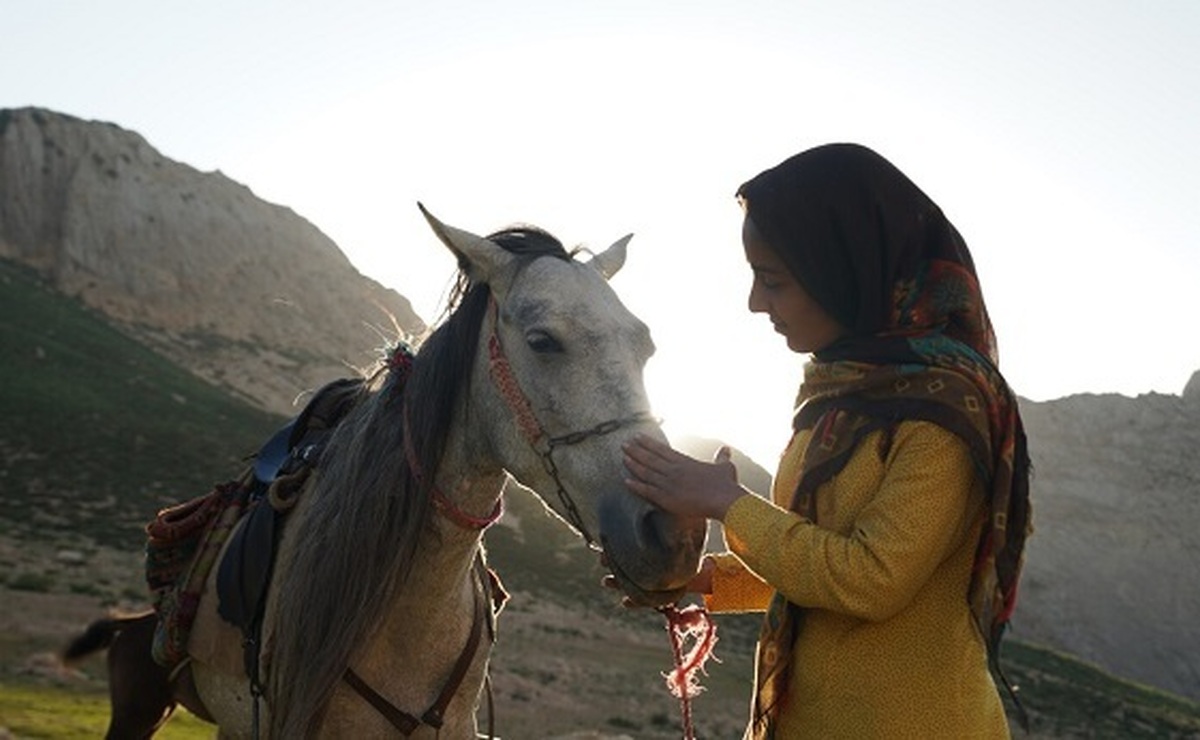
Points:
[(793, 312)]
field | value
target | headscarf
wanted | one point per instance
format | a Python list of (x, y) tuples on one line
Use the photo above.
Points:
[(880, 257)]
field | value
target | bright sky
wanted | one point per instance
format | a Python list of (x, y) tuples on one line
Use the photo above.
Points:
[(1059, 137)]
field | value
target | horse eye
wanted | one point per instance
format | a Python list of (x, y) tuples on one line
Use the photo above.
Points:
[(542, 343)]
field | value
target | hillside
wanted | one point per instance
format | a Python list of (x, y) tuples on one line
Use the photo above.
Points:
[(243, 292), (1111, 572), (97, 432), (1111, 569)]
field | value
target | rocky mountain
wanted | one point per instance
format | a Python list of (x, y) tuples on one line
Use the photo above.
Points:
[(254, 297), (246, 293), (1112, 569)]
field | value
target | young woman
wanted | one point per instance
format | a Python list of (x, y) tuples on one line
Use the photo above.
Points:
[(888, 556)]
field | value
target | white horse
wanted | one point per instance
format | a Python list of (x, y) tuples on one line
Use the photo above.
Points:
[(379, 614)]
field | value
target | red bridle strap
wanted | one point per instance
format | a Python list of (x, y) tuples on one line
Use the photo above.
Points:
[(441, 502), (454, 513), (506, 383)]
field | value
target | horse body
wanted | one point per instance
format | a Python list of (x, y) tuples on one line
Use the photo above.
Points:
[(407, 657), (536, 375)]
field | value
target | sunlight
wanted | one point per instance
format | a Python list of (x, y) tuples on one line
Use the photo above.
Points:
[(591, 139)]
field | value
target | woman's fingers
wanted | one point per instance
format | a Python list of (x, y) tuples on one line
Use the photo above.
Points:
[(651, 493), (642, 450)]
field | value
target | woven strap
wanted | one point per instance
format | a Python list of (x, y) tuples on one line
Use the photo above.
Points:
[(506, 383)]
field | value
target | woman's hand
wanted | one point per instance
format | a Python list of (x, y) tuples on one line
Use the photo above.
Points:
[(680, 484)]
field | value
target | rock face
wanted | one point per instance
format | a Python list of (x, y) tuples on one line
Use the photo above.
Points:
[(246, 293), (1111, 569)]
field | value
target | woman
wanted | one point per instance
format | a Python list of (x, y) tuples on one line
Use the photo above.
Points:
[(887, 561)]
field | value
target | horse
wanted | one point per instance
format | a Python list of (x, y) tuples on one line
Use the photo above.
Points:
[(378, 610)]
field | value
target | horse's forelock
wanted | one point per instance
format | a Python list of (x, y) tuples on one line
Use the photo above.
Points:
[(529, 242)]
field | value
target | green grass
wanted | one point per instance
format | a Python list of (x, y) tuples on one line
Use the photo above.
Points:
[(97, 432), (50, 712), (1065, 694)]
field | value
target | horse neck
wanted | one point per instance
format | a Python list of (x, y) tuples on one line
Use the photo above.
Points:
[(424, 629), (441, 582), (436, 602), (468, 473)]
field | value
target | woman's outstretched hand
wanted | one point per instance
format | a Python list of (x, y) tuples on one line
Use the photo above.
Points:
[(680, 484)]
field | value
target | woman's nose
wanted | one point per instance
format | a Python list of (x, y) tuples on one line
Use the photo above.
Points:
[(755, 302)]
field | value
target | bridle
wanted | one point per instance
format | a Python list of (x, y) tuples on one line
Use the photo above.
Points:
[(544, 445), (535, 433)]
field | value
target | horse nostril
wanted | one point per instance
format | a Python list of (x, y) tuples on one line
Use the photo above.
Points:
[(653, 532)]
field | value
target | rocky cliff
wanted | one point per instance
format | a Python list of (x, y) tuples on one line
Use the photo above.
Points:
[(1112, 569), (244, 292)]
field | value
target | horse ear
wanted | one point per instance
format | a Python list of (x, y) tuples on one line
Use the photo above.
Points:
[(480, 258), (610, 260)]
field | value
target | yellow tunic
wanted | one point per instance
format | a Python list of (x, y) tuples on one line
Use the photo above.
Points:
[(888, 648)]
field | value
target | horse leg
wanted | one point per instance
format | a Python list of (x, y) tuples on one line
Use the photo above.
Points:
[(139, 689)]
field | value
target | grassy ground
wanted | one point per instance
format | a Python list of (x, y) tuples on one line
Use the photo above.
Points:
[(32, 711)]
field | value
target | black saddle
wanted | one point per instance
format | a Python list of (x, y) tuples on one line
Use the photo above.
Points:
[(245, 570)]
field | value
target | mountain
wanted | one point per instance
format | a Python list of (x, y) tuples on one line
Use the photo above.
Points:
[(1111, 570), (245, 293), (125, 275)]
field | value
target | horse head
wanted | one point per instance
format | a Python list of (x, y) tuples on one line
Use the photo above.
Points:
[(560, 391)]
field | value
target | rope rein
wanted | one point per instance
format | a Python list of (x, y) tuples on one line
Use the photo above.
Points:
[(695, 622)]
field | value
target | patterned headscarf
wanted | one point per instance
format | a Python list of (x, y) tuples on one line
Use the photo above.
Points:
[(880, 257)]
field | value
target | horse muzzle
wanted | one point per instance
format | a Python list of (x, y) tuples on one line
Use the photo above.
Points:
[(651, 553)]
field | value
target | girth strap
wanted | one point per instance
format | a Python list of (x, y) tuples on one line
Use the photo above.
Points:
[(435, 715)]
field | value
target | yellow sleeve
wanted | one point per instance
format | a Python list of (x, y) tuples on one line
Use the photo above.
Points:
[(910, 524), (735, 588)]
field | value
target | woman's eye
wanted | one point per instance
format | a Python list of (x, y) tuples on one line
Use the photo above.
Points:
[(542, 343)]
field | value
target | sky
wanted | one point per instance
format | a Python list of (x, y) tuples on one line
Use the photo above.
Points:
[(1059, 137)]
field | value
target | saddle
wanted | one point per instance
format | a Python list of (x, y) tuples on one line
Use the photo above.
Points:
[(280, 470), (240, 517)]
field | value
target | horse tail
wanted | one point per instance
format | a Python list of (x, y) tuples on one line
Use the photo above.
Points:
[(98, 636)]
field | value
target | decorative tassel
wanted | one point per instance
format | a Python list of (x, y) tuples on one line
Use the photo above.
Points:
[(683, 682)]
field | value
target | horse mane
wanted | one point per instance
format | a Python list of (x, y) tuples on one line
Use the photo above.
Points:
[(368, 510)]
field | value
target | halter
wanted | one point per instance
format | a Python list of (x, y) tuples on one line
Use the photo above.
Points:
[(441, 502), (533, 431)]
